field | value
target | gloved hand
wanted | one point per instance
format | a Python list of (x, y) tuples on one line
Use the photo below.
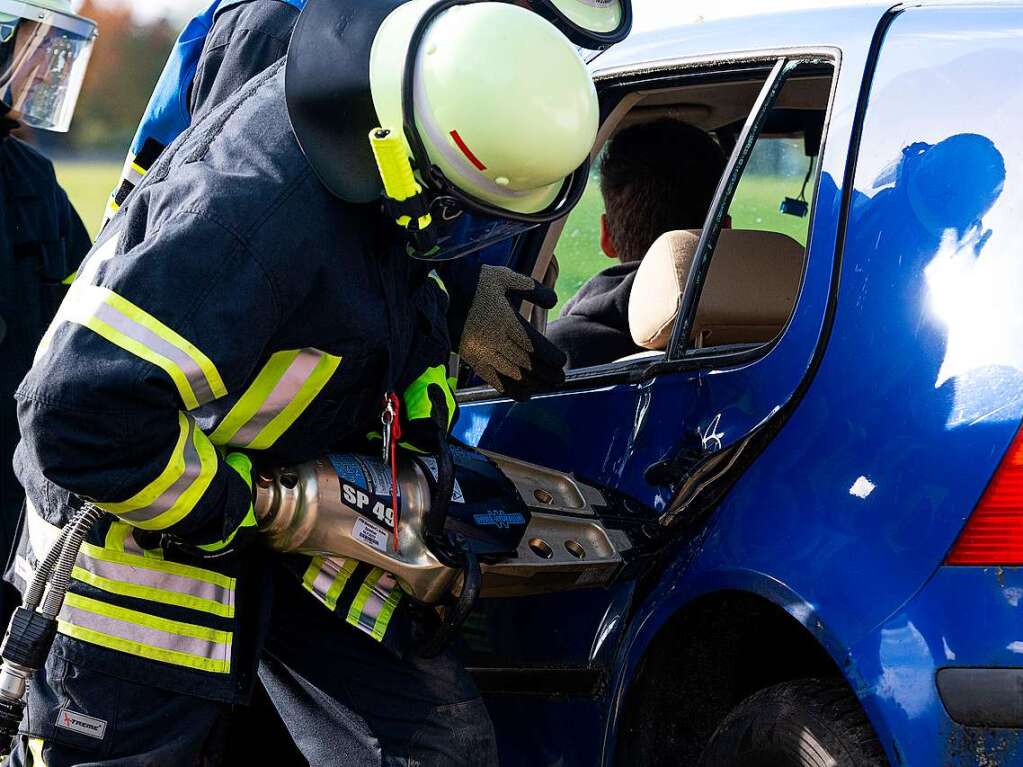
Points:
[(239, 536), (428, 411), (497, 342)]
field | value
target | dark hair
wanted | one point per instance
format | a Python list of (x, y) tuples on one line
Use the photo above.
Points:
[(657, 177)]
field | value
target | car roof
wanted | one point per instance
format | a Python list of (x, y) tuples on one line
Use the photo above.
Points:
[(830, 27)]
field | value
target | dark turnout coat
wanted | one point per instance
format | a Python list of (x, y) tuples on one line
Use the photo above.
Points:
[(42, 241), (232, 304)]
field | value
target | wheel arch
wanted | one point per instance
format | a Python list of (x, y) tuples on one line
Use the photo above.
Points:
[(710, 654)]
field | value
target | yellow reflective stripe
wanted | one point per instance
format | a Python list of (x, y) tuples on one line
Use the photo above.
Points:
[(135, 626), (242, 464), (141, 650), (254, 397), (325, 580), (375, 603), (119, 538), (42, 535), (316, 381), (188, 500), (384, 619), (159, 565), (179, 487), (128, 309), (281, 392), (35, 750), (70, 278), (248, 521), (152, 594), (168, 477), (152, 621), (126, 325)]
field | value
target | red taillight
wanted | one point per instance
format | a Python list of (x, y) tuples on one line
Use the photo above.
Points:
[(994, 532)]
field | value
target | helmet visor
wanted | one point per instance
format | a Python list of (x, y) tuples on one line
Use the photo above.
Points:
[(43, 57), (591, 24), (462, 234)]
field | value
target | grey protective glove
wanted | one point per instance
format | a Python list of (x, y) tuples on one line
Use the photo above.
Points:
[(497, 342)]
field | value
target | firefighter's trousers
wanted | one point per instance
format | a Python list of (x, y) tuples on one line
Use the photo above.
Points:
[(345, 700)]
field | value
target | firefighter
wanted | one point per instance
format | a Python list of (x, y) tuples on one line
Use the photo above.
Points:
[(43, 53), (233, 40), (250, 305)]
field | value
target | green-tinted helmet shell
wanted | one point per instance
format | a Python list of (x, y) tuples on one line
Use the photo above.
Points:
[(504, 106)]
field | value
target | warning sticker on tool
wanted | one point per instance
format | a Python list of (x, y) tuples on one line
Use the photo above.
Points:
[(364, 473), (365, 486), (370, 534), (431, 463), (349, 469)]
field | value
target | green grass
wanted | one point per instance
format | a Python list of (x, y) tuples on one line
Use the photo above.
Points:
[(755, 207), (89, 185)]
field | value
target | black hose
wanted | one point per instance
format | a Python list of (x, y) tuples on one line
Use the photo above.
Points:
[(455, 615)]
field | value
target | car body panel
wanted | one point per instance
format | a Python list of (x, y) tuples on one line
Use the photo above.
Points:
[(846, 515)]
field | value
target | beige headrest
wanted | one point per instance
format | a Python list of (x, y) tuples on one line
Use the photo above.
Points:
[(749, 293)]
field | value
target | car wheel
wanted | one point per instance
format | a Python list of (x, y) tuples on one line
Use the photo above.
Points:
[(805, 723)]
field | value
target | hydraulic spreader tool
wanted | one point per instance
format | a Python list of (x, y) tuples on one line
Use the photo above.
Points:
[(455, 526)]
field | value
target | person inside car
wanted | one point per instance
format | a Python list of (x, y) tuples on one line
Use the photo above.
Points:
[(655, 177)]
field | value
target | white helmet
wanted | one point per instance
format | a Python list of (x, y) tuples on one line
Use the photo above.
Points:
[(492, 103), (44, 52)]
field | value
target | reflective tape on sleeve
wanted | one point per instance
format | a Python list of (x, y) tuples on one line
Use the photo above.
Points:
[(171, 496), (124, 324), (325, 579), (280, 393), (146, 636), (375, 603)]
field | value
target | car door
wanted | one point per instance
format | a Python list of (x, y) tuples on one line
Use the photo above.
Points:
[(657, 433)]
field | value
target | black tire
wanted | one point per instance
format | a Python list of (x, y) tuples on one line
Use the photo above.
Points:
[(805, 723)]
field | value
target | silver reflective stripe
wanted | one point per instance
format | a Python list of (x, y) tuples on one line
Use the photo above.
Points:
[(374, 604), (145, 635), (156, 579), (170, 496), (190, 368), (324, 580), (287, 388)]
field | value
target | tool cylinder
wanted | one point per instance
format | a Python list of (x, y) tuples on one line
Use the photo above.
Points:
[(339, 507)]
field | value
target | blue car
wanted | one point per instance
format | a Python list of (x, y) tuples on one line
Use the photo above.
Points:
[(815, 462)]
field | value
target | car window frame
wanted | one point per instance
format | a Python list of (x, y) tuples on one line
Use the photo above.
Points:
[(777, 65)]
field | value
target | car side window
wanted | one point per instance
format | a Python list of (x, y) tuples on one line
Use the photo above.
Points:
[(757, 264), (775, 193), (625, 251)]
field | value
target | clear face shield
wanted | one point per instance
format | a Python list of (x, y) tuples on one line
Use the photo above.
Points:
[(43, 58)]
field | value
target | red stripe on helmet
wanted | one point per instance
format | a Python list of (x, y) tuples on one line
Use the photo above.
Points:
[(467, 152)]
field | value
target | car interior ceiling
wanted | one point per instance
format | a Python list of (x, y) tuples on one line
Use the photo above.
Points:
[(754, 276)]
